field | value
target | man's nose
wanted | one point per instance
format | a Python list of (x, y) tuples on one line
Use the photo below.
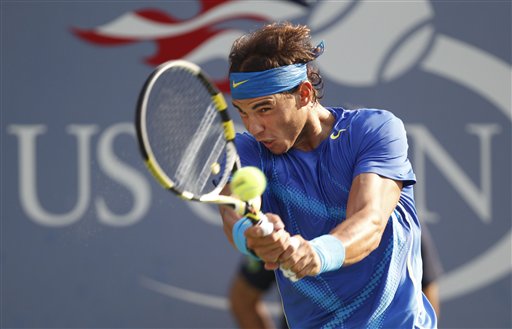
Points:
[(254, 126)]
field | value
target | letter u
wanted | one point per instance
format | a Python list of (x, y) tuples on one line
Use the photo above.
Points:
[(27, 160)]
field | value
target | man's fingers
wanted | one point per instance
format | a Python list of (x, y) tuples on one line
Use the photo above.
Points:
[(270, 266), (292, 254), (276, 221)]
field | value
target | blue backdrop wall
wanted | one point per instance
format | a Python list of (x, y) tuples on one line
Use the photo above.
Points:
[(89, 240)]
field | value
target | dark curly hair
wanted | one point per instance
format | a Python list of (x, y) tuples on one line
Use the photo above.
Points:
[(275, 45)]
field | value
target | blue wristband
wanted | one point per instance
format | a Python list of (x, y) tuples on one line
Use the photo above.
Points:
[(239, 238), (331, 252)]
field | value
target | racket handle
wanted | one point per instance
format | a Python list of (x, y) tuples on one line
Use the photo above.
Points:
[(268, 228), (265, 224), (295, 243)]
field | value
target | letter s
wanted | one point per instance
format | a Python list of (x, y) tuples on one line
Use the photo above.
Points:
[(123, 174)]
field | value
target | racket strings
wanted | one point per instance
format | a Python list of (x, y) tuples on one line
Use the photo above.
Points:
[(215, 155), (186, 167), (185, 131)]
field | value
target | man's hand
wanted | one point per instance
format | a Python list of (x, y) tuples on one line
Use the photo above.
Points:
[(271, 246), (277, 249), (303, 261)]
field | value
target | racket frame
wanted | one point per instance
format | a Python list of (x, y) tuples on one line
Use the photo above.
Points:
[(232, 158)]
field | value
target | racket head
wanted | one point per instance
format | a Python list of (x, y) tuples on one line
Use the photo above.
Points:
[(184, 132)]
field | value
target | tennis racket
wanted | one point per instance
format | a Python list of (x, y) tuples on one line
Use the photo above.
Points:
[(186, 137), (185, 134)]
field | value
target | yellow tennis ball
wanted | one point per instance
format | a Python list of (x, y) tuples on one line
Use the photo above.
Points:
[(248, 183)]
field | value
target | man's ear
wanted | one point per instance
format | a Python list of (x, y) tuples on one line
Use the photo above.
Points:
[(306, 93)]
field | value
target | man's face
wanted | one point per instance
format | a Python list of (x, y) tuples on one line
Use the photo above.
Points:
[(274, 120)]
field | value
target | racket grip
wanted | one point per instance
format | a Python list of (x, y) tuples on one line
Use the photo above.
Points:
[(266, 226), (295, 243)]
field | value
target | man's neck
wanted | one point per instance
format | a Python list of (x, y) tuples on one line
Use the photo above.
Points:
[(317, 128)]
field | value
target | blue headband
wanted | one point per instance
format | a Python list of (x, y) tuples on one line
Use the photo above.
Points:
[(255, 84)]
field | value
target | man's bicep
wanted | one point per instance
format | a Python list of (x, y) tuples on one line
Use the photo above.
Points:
[(371, 200), (374, 192)]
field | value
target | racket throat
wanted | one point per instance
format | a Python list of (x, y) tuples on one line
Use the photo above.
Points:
[(252, 215)]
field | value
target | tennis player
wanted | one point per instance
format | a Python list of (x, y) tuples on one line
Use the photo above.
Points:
[(339, 181)]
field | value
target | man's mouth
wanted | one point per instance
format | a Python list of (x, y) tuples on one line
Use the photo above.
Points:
[(267, 143)]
